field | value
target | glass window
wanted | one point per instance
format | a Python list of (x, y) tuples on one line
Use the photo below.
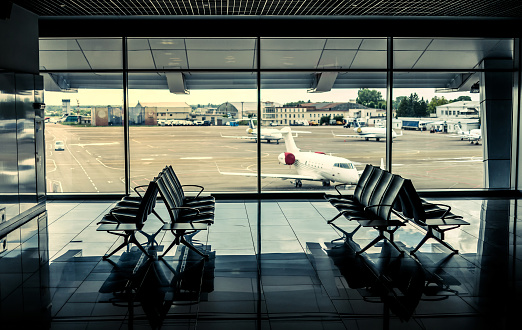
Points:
[(325, 149), (432, 151), (209, 87), (84, 134), (205, 137)]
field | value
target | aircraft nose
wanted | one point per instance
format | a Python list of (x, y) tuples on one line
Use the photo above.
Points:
[(355, 177), (351, 177)]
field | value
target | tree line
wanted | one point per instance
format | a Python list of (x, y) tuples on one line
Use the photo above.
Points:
[(406, 106)]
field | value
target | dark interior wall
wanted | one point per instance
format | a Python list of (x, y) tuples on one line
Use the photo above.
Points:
[(19, 127), (19, 40)]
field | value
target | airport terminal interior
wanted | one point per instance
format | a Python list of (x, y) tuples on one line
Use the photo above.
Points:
[(329, 226)]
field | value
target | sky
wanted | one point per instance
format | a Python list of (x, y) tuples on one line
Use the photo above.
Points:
[(114, 97)]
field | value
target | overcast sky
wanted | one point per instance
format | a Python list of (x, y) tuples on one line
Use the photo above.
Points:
[(114, 97)]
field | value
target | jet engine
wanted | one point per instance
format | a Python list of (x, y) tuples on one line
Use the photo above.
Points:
[(286, 158)]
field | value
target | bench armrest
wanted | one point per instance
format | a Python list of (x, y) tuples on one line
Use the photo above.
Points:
[(186, 208), (446, 213), (399, 214), (136, 190), (339, 185), (194, 185)]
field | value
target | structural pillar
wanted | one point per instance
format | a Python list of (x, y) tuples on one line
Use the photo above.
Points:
[(496, 115)]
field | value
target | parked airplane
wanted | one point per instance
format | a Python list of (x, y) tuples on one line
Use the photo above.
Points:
[(312, 166), (267, 134), (368, 133), (473, 135)]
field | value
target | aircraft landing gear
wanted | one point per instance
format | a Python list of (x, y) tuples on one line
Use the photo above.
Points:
[(326, 183), (298, 183)]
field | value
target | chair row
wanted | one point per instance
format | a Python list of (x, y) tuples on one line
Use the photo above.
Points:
[(187, 214), (386, 202)]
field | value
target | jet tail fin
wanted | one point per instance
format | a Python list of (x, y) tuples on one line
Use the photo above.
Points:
[(289, 140)]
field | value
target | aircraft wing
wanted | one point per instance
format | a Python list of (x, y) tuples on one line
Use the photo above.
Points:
[(467, 136), (277, 176), (361, 136), (237, 136), (268, 138)]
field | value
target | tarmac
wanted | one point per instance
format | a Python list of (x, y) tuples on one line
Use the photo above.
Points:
[(92, 161)]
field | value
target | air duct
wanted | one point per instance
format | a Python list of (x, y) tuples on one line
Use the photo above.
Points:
[(176, 83), (323, 82)]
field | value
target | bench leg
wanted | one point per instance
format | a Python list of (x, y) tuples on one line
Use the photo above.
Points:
[(372, 243), (121, 246), (192, 247), (134, 240), (334, 218), (127, 239), (382, 237), (346, 235), (429, 234), (174, 242), (180, 238)]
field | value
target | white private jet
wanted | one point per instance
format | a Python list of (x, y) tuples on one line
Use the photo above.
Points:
[(267, 134), (368, 133), (473, 135), (312, 166)]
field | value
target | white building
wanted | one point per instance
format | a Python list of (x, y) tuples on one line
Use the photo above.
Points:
[(461, 109), (313, 112)]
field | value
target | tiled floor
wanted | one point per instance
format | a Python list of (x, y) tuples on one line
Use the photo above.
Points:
[(273, 265)]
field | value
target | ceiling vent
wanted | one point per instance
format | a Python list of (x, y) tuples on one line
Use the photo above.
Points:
[(176, 83), (323, 82)]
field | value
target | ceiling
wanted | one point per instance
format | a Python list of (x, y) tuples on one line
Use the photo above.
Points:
[(230, 63), (438, 8), (312, 55)]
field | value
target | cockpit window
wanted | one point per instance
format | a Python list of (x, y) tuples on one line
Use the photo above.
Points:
[(344, 165)]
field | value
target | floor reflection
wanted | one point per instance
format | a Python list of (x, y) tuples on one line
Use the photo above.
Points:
[(273, 265), (151, 287)]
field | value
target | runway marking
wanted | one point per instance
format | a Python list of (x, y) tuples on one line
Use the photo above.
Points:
[(84, 171), (455, 160), (106, 166), (55, 167), (93, 144)]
